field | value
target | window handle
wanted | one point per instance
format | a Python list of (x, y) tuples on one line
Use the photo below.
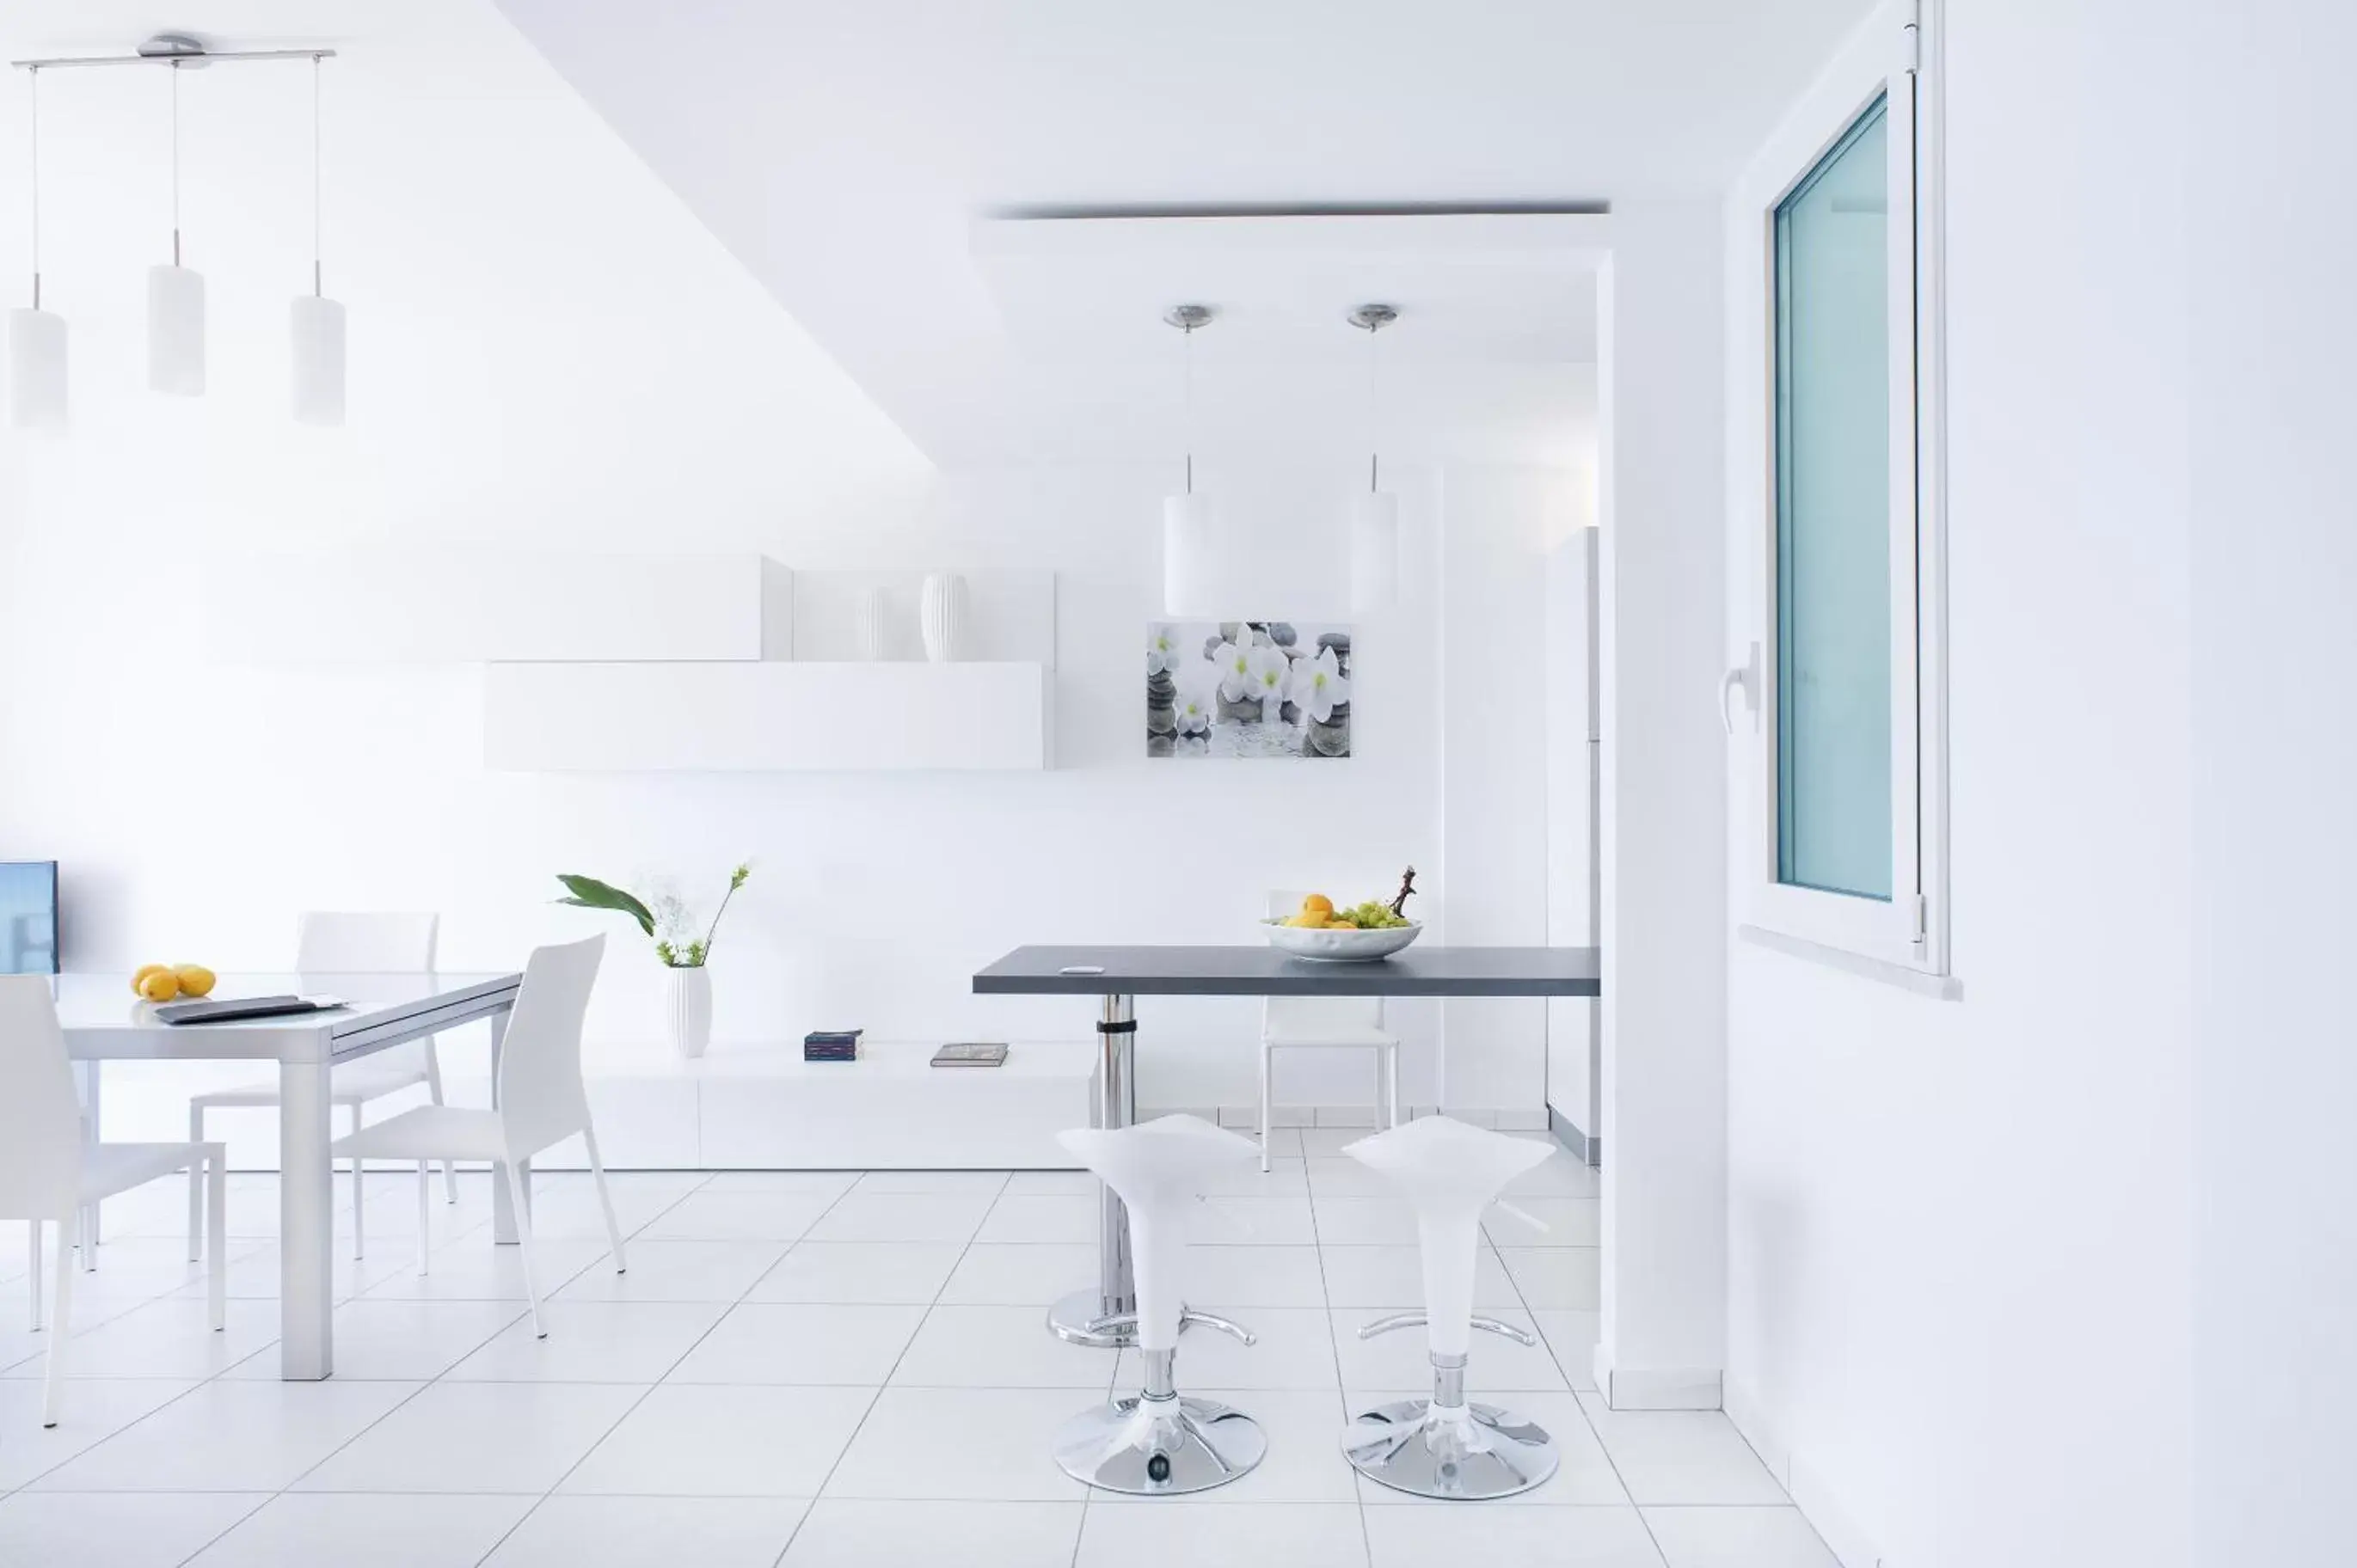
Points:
[(1743, 678)]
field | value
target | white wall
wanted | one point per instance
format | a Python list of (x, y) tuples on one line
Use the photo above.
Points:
[(548, 353), (2275, 842), (1663, 852), (1957, 1244)]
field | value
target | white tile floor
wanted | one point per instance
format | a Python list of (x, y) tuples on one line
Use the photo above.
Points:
[(814, 1370)]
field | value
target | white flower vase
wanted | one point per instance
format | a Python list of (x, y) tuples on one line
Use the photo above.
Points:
[(871, 625), (944, 616), (687, 1010)]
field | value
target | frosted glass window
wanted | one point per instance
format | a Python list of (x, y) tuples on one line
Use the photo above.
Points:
[(1832, 421)]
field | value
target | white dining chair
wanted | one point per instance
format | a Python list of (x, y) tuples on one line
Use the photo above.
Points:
[(1287, 1021), (327, 944), (50, 1174), (539, 1101)]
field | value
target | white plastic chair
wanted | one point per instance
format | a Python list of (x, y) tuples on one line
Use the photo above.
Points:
[(325, 945), (1335, 1021), (540, 1101), (1158, 1444), (50, 1173), (1443, 1446)]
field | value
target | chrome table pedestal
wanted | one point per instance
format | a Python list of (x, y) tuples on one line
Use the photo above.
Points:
[(1103, 1315)]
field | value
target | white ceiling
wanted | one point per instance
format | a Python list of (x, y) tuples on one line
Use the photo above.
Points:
[(855, 157), (844, 151)]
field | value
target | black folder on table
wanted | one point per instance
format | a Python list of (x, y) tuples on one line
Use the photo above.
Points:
[(231, 1007)]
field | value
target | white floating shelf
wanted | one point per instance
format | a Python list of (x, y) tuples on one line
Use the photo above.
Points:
[(467, 608), (891, 1110), (764, 717), (746, 1107)]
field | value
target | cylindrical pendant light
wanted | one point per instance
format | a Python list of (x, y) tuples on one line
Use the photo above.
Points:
[(1375, 515), (175, 298), (37, 337), (318, 322), (1190, 541)]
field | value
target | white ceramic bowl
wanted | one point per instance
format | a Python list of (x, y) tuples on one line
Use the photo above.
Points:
[(1341, 946)]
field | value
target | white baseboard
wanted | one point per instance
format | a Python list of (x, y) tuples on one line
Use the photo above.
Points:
[(1799, 1480), (1658, 1387)]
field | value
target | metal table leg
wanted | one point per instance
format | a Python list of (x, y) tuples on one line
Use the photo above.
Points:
[(307, 1296), (1076, 1316)]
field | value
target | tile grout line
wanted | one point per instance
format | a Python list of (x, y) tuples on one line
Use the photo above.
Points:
[(819, 1492), (1601, 1446), (541, 1499), (397, 1405)]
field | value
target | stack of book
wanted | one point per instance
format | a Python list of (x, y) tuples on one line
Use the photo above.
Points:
[(830, 1045)]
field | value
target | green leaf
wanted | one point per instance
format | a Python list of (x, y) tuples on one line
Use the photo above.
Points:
[(589, 893)]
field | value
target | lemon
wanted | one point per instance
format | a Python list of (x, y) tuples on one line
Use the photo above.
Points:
[(161, 985), (139, 976), (195, 978)]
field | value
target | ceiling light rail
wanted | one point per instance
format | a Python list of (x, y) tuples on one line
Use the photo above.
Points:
[(177, 51)]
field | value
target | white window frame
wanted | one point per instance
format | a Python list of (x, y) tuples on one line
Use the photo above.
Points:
[(1894, 54)]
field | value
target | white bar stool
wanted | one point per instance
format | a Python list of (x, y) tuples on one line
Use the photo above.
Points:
[(1158, 1444), (1443, 1446)]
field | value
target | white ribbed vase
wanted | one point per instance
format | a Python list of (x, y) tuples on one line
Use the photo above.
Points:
[(871, 625), (687, 1010), (944, 616)]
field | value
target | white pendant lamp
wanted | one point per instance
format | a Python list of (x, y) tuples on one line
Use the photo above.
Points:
[(37, 337), (175, 298), (317, 321), (1375, 515), (1190, 574)]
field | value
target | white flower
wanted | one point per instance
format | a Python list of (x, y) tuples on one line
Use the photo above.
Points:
[(1192, 713), (1265, 665), (1161, 650), (1317, 685), (1235, 662)]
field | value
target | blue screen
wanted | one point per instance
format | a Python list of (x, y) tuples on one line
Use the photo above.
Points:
[(28, 917)]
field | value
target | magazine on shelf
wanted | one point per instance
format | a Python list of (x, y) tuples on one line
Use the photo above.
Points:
[(971, 1053)]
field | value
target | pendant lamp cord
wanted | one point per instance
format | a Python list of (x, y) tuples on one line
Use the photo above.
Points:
[(317, 287), (1187, 374), (1374, 412), (176, 163), (34, 86)]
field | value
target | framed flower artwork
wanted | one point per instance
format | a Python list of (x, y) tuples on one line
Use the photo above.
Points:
[(1247, 689)]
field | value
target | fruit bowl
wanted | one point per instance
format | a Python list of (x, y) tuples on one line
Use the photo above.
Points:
[(1339, 946)]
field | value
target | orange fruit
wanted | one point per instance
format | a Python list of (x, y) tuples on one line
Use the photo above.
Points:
[(1318, 904)]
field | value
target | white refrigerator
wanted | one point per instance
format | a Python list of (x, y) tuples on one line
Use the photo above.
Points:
[(1574, 1033)]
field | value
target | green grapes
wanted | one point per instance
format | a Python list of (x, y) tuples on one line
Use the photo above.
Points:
[(1372, 917)]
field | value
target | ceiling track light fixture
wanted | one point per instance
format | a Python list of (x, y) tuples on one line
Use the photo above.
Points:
[(1190, 574), (176, 293), (1374, 514)]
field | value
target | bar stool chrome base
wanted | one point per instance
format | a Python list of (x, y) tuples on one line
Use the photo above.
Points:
[(1165, 1448), (1471, 1452)]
